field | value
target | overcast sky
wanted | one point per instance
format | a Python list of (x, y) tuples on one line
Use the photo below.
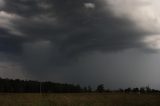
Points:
[(87, 42)]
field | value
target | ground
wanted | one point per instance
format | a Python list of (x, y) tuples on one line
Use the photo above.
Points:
[(79, 99)]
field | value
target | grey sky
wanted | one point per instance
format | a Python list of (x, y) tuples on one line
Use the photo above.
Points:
[(115, 42)]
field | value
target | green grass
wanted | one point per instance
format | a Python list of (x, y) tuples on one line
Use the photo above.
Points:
[(79, 99)]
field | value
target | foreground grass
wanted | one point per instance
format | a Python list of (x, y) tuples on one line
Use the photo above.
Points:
[(79, 99)]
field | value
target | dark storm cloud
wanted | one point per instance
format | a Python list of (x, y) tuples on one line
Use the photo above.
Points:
[(3, 32), (10, 44), (73, 28), (22, 7), (53, 32)]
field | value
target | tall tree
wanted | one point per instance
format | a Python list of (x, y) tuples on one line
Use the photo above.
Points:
[(100, 88)]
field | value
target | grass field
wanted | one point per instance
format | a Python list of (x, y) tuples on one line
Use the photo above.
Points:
[(79, 99)]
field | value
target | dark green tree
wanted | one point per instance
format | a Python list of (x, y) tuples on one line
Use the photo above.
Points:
[(142, 90), (85, 89), (135, 90), (148, 89), (100, 88), (89, 89), (128, 90)]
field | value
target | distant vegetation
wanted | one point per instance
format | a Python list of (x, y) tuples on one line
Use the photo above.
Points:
[(28, 86)]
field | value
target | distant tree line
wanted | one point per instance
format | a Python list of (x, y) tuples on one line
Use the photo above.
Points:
[(28, 86), (146, 89), (15, 86)]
